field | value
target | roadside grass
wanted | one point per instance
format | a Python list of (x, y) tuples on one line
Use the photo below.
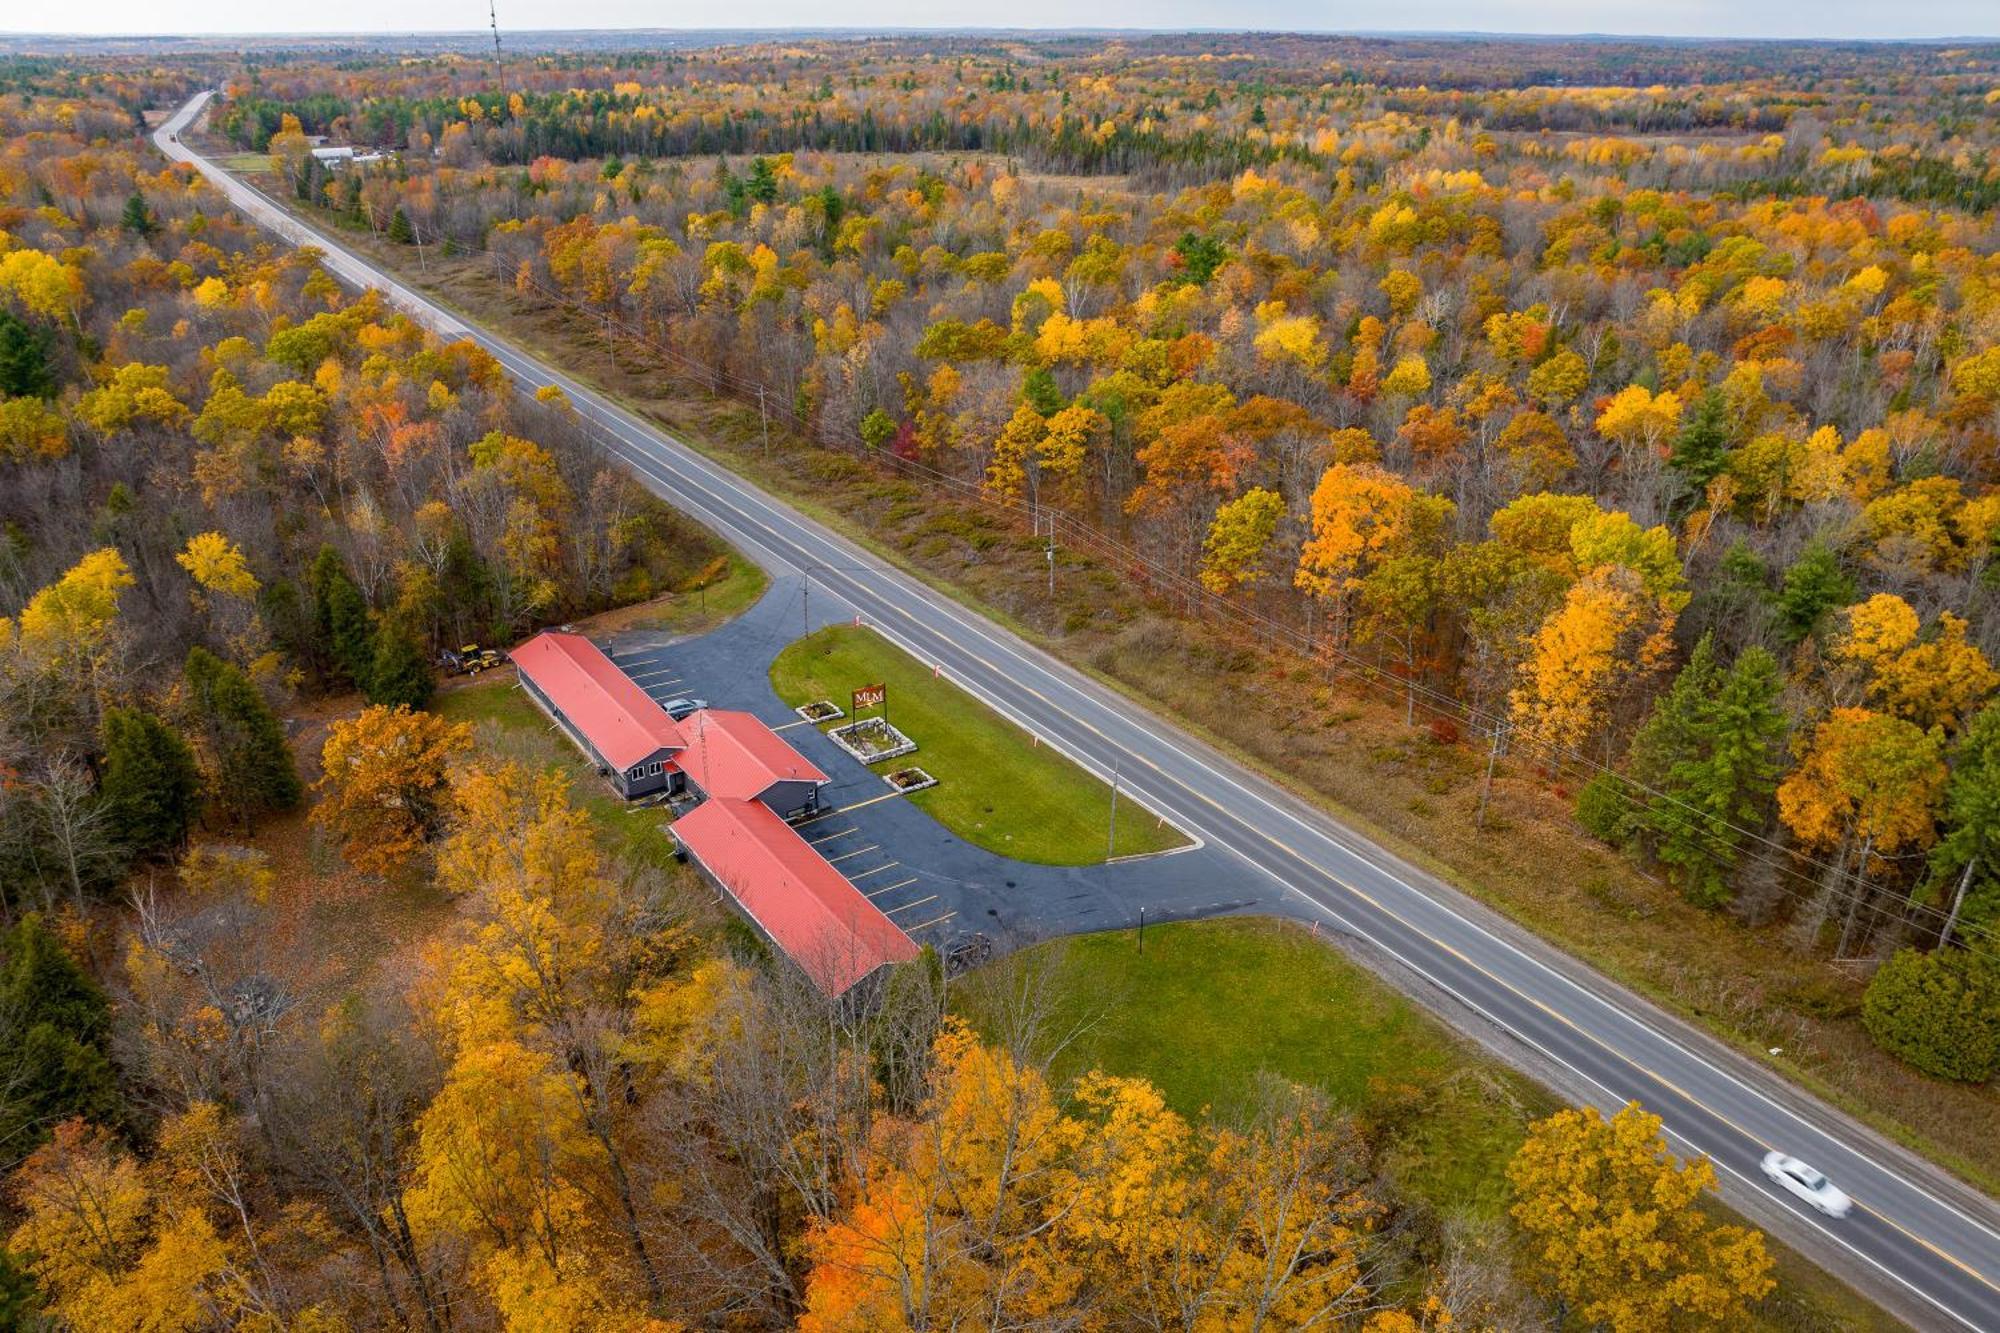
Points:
[(1209, 1006), (250, 164), (996, 787), (1202, 1008), (507, 725), (1325, 737)]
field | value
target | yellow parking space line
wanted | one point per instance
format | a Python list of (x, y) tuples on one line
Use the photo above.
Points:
[(886, 865), (899, 884), (885, 796), (844, 856), (907, 906), (841, 833), (934, 921)]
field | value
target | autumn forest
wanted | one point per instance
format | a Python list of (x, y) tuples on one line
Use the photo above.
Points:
[(1603, 442)]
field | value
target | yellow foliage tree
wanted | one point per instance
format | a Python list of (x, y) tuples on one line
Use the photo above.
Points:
[(1579, 659), (1616, 1229), (217, 564), (73, 614), (386, 785)]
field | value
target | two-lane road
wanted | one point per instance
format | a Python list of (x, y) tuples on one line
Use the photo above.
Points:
[(1917, 1238)]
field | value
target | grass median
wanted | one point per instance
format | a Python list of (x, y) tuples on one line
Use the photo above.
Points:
[(997, 788)]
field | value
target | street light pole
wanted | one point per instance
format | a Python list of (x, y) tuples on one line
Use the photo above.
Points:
[(1111, 833)]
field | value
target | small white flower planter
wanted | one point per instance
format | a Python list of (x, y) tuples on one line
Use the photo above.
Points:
[(872, 740)]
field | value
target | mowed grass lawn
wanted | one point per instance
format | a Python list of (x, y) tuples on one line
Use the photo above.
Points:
[(1209, 1005), (996, 788), (508, 726)]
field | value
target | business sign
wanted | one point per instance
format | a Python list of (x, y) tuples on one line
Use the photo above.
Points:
[(871, 696)]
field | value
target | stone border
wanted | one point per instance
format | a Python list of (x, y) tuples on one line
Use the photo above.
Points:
[(904, 745), (922, 780), (821, 710)]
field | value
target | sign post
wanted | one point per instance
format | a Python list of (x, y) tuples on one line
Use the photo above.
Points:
[(872, 696)]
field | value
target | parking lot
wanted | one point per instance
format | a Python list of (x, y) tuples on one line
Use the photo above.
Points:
[(938, 888)]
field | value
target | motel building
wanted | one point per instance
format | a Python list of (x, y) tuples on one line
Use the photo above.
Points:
[(752, 788)]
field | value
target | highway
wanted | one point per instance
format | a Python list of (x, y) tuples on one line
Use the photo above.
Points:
[(1918, 1240)]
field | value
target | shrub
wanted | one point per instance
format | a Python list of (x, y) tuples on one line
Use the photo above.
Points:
[(1939, 1012), (1604, 809)]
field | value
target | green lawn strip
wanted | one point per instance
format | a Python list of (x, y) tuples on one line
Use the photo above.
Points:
[(1210, 1005), (996, 787), (509, 726), (723, 598)]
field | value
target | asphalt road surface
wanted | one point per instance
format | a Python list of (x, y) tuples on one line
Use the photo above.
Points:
[(1917, 1239)]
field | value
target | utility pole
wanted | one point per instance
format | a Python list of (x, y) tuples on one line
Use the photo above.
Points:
[(805, 604), (765, 419), (1049, 553), (499, 84), (1111, 833)]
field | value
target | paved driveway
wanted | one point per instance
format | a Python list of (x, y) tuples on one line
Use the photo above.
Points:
[(932, 883)]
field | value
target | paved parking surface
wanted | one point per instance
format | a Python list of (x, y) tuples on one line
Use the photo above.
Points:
[(936, 886)]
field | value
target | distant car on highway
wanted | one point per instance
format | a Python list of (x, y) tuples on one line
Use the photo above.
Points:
[(680, 708), (1789, 1173)]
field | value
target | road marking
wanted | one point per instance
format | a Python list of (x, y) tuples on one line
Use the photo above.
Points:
[(848, 856), (829, 837), (787, 726), (886, 796), (899, 884), (886, 865), (907, 906), (934, 921)]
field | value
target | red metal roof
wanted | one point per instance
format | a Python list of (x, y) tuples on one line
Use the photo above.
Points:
[(619, 719), (803, 904), (733, 754)]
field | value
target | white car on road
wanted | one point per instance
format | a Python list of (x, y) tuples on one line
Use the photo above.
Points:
[(1791, 1174)]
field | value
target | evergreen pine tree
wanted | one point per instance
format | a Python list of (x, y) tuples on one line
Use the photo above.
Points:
[(54, 1024), (138, 217), (24, 359), (399, 674), (1966, 861), (1709, 753), (400, 230), (1702, 448), (251, 760), (151, 785), (347, 639), (1814, 585)]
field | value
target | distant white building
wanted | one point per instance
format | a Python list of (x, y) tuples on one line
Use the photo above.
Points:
[(346, 155)]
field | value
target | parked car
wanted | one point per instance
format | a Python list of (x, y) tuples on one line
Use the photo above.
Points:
[(680, 708), (1794, 1176)]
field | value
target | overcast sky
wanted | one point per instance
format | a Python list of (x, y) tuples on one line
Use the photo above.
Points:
[(1681, 18)]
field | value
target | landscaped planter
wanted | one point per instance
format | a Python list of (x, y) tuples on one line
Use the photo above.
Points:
[(820, 710), (907, 780), (871, 740)]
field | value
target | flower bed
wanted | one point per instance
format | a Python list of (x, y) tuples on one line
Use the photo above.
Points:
[(820, 710), (907, 780), (871, 740)]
